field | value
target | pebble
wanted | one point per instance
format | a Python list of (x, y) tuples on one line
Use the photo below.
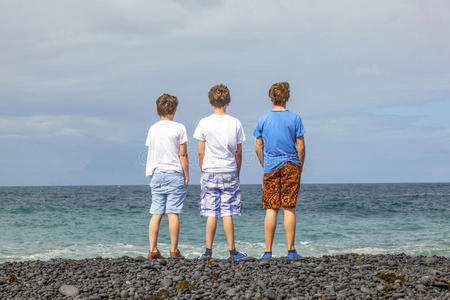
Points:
[(431, 260), (319, 269), (231, 292), (341, 277), (69, 290), (261, 284), (166, 282), (124, 294), (379, 287)]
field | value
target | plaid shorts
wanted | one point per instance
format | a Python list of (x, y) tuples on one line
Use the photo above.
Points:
[(221, 194)]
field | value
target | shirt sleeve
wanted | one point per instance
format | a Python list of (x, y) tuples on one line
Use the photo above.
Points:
[(299, 130), (147, 141), (240, 133), (257, 133), (198, 133), (183, 135)]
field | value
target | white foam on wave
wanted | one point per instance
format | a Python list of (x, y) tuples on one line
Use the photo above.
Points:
[(46, 251)]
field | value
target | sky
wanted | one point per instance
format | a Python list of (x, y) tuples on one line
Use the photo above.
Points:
[(79, 80)]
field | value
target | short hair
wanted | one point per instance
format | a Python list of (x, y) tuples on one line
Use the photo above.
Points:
[(219, 96), (279, 93), (166, 104)]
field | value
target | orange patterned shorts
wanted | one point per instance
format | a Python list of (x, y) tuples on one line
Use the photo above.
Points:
[(280, 187)]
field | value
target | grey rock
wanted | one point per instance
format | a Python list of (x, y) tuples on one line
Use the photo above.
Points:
[(431, 260), (366, 290), (319, 269), (232, 292), (264, 262), (69, 290), (261, 283), (440, 284), (379, 287), (124, 294), (433, 272), (197, 275), (397, 295), (270, 294), (166, 282), (141, 258)]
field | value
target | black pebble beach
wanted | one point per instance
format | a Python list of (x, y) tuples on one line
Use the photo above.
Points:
[(348, 276)]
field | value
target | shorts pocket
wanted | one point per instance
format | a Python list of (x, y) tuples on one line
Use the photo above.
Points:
[(156, 181)]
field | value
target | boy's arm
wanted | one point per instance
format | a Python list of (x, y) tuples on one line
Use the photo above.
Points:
[(301, 151), (239, 158), (259, 147), (184, 160), (201, 154)]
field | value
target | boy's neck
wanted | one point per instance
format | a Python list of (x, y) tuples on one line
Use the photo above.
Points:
[(279, 108), (167, 118), (220, 110)]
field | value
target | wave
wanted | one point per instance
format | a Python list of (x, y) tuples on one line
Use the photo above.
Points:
[(113, 250)]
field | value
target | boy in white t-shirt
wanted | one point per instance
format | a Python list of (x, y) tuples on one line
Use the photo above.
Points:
[(168, 166), (220, 138)]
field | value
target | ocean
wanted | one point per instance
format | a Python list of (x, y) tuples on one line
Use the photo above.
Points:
[(40, 223)]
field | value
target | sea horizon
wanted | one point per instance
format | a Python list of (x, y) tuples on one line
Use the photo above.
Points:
[(197, 184)]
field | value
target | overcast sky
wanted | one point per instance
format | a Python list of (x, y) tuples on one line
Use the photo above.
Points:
[(79, 80)]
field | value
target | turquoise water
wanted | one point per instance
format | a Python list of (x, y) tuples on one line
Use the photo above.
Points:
[(111, 221)]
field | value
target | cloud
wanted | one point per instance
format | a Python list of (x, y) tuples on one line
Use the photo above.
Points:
[(61, 127), (91, 71)]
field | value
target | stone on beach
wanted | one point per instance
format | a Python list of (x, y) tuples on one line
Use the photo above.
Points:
[(335, 277), (69, 290)]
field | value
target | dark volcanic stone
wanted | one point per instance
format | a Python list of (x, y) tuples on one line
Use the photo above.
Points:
[(69, 290), (337, 277)]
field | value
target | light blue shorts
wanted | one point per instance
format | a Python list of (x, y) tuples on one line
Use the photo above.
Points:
[(168, 192), (221, 195)]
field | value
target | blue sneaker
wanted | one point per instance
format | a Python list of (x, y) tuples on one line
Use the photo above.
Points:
[(239, 256), (266, 255), (204, 257), (294, 255)]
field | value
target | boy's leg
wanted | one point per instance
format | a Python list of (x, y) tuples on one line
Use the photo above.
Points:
[(230, 204), (228, 228), (153, 230), (271, 203), (157, 209), (289, 226), (209, 207), (290, 175), (211, 225), (174, 230), (176, 194), (270, 225)]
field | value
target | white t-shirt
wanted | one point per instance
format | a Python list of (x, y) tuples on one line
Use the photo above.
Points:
[(163, 141), (222, 134)]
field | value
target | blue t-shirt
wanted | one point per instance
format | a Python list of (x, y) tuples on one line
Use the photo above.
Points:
[(279, 131)]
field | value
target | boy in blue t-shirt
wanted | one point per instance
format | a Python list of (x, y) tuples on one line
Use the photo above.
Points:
[(280, 147)]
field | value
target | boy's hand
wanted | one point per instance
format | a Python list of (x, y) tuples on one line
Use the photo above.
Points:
[(186, 180)]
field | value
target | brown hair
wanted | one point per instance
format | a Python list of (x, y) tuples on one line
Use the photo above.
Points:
[(166, 104), (279, 93), (219, 96)]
